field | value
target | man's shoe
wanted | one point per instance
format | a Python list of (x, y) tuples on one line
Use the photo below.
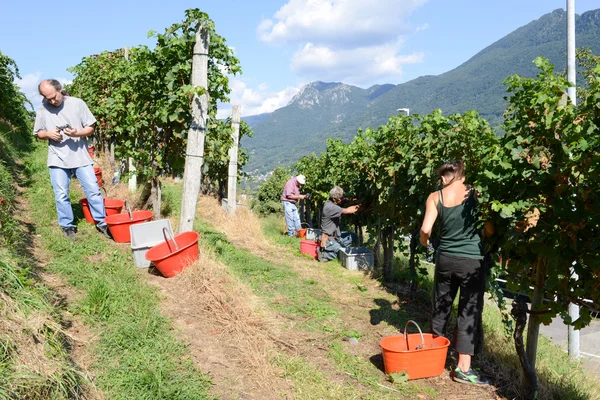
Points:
[(320, 256), (70, 232), (471, 377), (103, 229)]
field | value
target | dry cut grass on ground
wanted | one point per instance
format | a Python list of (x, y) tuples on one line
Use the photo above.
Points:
[(228, 331)]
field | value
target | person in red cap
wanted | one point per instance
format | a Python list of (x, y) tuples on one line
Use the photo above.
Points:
[(289, 198)]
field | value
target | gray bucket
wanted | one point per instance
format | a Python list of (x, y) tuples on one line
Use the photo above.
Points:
[(146, 235)]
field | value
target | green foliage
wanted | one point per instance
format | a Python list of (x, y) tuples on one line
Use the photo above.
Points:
[(542, 189), (143, 102), (268, 197), (216, 157), (546, 163), (393, 169), (14, 102)]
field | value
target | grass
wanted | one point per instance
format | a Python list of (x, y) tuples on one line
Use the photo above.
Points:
[(311, 383), (34, 358), (136, 352), (367, 374), (277, 282), (40, 368), (559, 376), (286, 292)]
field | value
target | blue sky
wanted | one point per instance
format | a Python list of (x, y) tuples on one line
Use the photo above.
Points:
[(282, 44)]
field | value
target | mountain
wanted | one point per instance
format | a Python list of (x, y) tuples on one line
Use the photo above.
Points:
[(305, 123), (253, 120), (321, 110)]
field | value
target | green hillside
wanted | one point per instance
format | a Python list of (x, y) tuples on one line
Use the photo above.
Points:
[(306, 121), (477, 84), (323, 110)]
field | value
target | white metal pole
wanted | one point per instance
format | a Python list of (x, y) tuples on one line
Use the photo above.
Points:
[(571, 91)]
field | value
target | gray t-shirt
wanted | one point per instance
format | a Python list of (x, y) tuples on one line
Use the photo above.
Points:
[(330, 220), (71, 152)]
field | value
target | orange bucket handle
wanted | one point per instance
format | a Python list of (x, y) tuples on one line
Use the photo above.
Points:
[(165, 230), (422, 345)]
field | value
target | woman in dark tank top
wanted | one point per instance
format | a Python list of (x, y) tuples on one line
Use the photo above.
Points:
[(458, 265)]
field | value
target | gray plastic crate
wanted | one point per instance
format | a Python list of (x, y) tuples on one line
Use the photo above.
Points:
[(313, 234), (357, 258), (146, 235)]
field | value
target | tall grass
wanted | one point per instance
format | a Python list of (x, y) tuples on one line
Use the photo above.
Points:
[(34, 358), (136, 354)]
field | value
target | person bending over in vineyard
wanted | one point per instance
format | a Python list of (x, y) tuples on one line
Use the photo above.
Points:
[(66, 122), (289, 198), (332, 240), (458, 265)]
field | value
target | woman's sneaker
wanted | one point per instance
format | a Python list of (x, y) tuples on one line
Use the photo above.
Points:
[(471, 377)]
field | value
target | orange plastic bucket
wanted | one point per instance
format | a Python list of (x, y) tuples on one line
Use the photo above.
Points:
[(420, 355), (112, 207), (302, 233), (98, 173), (172, 256), (91, 149), (309, 247), (119, 224)]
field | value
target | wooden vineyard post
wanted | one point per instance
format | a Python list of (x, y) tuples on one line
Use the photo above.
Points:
[(533, 327), (194, 157), (233, 162)]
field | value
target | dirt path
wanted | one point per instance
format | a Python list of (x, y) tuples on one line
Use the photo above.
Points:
[(361, 310), (227, 334), (77, 334)]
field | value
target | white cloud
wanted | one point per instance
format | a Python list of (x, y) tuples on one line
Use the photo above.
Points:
[(422, 27), (255, 101), (348, 22), (354, 66), (29, 86), (346, 40)]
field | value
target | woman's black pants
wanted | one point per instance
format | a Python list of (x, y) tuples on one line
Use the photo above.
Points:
[(467, 274)]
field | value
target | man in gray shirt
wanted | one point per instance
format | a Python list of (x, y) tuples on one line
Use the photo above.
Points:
[(66, 122), (330, 225)]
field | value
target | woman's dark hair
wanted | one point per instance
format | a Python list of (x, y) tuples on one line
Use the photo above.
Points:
[(454, 169)]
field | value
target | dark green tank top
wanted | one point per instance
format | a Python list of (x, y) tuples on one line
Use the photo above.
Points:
[(460, 236)]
